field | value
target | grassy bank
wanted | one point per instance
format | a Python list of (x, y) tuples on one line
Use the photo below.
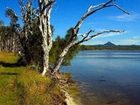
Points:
[(24, 86)]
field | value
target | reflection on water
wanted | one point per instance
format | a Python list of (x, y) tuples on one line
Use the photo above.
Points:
[(107, 77)]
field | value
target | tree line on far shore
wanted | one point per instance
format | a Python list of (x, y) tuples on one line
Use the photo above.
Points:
[(103, 47)]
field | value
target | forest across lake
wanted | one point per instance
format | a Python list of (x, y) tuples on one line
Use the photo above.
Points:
[(109, 46)]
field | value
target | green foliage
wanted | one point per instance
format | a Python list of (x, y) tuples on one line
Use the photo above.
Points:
[(5, 31), (33, 46), (58, 45), (103, 47), (1, 23), (10, 13), (35, 52)]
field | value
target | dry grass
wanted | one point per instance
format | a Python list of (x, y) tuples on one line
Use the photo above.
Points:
[(8, 57), (8, 91), (23, 86), (28, 88), (38, 90)]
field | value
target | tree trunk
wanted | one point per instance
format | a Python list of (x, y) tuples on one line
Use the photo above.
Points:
[(45, 56), (62, 55), (45, 29), (45, 62), (0, 43)]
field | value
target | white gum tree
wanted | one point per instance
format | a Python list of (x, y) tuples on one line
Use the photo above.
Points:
[(45, 8)]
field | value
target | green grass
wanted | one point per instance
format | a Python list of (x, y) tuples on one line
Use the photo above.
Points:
[(34, 89), (8, 77), (23, 86), (8, 57)]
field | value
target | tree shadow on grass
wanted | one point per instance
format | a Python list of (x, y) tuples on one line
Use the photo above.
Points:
[(8, 73), (19, 63)]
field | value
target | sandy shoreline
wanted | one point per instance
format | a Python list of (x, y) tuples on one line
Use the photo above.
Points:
[(69, 100)]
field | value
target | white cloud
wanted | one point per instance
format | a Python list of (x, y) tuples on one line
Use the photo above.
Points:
[(129, 41), (125, 17)]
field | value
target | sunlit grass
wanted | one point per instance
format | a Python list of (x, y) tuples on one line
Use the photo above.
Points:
[(37, 90), (27, 87), (8, 57), (21, 85), (8, 77)]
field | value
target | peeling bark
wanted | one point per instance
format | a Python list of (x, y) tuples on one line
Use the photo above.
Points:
[(45, 7), (62, 55)]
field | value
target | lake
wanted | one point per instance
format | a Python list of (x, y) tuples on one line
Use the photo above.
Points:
[(107, 77)]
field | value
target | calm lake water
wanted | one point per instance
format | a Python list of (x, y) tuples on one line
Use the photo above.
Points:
[(107, 77)]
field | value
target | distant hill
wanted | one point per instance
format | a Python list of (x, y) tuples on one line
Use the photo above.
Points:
[(109, 44)]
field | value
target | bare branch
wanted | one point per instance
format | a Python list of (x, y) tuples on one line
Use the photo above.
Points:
[(45, 6), (86, 35), (48, 5), (123, 10), (99, 33), (92, 9)]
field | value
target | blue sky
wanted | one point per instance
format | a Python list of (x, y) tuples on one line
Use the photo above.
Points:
[(67, 12)]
